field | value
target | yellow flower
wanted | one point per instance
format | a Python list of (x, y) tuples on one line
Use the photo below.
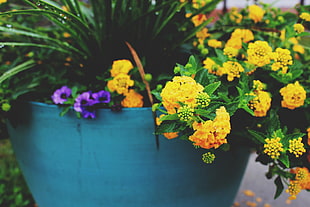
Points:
[(261, 103), (235, 15), (232, 69), (301, 181), (299, 48), (132, 99), (185, 113), (305, 16), (199, 19), (245, 35), (273, 147), (259, 53), (212, 67), (120, 83), (282, 58), (203, 99), (296, 147), (3, 1), (294, 189), (256, 13), (299, 28), (181, 89), (234, 43), (231, 52), (121, 66), (212, 134), (293, 95), (214, 43), (258, 85), (202, 35), (65, 34)]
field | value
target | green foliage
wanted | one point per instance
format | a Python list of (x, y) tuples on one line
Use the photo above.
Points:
[(13, 189)]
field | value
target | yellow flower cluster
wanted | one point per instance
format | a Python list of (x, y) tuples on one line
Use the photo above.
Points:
[(212, 134), (120, 67), (259, 53), (234, 15), (293, 95), (305, 16), (232, 69), (3, 1), (185, 113), (121, 83), (282, 58), (299, 28), (296, 147), (261, 102), (181, 89), (208, 157), (231, 52), (198, 20), (203, 99), (212, 67), (238, 36), (256, 13), (301, 182), (273, 147), (132, 99), (214, 43)]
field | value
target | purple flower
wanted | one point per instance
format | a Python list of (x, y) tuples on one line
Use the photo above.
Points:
[(61, 95), (84, 103), (102, 96)]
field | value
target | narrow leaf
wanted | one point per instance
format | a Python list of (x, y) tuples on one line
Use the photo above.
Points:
[(17, 69)]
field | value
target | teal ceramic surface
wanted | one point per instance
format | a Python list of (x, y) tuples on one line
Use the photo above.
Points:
[(113, 161)]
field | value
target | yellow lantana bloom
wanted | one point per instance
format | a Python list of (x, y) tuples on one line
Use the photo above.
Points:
[(293, 95), (212, 134), (132, 99), (282, 58), (259, 53), (299, 28), (305, 16), (214, 43), (181, 89), (232, 69), (120, 83), (256, 13), (121, 66)]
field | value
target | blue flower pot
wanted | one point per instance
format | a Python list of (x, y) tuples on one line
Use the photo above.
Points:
[(113, 161)]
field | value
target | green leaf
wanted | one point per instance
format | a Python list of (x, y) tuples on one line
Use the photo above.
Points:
[(279, 186), (285, 160), (65, 110), (17, 69), (258, 136), (169, 117), (209, 89)]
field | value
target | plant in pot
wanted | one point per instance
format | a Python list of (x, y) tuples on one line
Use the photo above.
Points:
[(78, 63), (254, 66)]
